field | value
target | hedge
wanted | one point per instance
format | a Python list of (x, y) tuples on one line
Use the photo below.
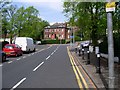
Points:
[(53, 41), (104, 46)]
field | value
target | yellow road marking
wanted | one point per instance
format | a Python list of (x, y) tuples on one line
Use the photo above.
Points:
[(77, 70), (77, 76), (85, 83), (86, 75)]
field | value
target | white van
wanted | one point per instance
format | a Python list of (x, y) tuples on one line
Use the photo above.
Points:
[(25, 43)]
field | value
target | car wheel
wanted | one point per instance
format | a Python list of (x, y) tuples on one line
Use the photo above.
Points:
[(29, 51), (21, 54), (16, 55)]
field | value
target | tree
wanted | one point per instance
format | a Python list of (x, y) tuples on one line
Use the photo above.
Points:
[(3, 17), (89, 17), (22, 22), (28, 23)]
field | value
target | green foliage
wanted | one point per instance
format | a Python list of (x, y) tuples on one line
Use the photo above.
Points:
[(53, 41), (29, 24), (104, 45), (90, 17), (22, 22)]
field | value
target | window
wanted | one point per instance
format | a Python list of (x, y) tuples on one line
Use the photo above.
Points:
[(68, 31), (9, 47), (49, 35), (59, 35), (68, 36)]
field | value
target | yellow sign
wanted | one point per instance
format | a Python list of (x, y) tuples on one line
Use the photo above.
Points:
[(110, 5)]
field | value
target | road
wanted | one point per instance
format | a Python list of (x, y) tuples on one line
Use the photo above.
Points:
[(46, 68), (51, 66)]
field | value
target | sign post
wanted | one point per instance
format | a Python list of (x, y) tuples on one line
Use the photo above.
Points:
[(110, 7)]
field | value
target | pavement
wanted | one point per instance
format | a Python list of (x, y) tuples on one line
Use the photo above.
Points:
[(100, 80)]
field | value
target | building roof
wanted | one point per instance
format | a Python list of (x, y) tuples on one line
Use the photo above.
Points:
[(57, 25)]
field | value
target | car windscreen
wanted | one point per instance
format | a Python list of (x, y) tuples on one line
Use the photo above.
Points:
[(9, 47)]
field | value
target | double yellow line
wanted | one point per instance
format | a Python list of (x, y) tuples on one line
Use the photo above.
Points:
[(77, 72)]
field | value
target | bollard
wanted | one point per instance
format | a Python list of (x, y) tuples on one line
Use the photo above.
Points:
[(79, 52), (98, 69), (75, 50), (88, 57), (83, 54)]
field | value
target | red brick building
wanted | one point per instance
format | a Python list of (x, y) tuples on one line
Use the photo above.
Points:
[(57, 31)]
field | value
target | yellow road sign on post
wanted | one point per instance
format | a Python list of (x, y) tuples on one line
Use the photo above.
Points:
[(110, 6)]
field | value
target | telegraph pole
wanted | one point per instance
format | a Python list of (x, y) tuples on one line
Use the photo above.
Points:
[(110, 7)]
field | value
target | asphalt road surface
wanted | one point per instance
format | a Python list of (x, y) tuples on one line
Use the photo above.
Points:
[(48, 67)]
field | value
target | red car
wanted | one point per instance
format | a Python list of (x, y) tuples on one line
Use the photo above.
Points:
[(12, 50)]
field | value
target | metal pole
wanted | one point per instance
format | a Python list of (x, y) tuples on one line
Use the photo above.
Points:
[(73, 37), (110, 49)]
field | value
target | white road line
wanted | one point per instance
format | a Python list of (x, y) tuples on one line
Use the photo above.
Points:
[(24, 57), (49, 47), (38, 66), (10, 61), (52, 53), (18, 58), (18, 84), (1, 65), (29, 55), (32, 53), (48, 57), (40, 51)]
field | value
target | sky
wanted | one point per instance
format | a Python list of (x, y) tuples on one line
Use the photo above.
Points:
[(49, 10)]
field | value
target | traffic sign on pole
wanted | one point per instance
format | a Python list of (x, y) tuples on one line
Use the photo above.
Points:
[(110, 6), (71, 36)]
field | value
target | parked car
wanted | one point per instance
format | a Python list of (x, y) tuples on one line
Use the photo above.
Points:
[(85, 44), (12, 50), (2, 56), (38, 42), (25, 43)]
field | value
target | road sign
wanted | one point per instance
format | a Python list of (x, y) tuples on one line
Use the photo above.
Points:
[(71, 36), (110, 7)]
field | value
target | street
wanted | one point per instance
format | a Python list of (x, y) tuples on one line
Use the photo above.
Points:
[(48, 67)]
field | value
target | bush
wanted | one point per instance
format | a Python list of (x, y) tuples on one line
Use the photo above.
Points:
[(104, 46), (53, 41), (67, 41)]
